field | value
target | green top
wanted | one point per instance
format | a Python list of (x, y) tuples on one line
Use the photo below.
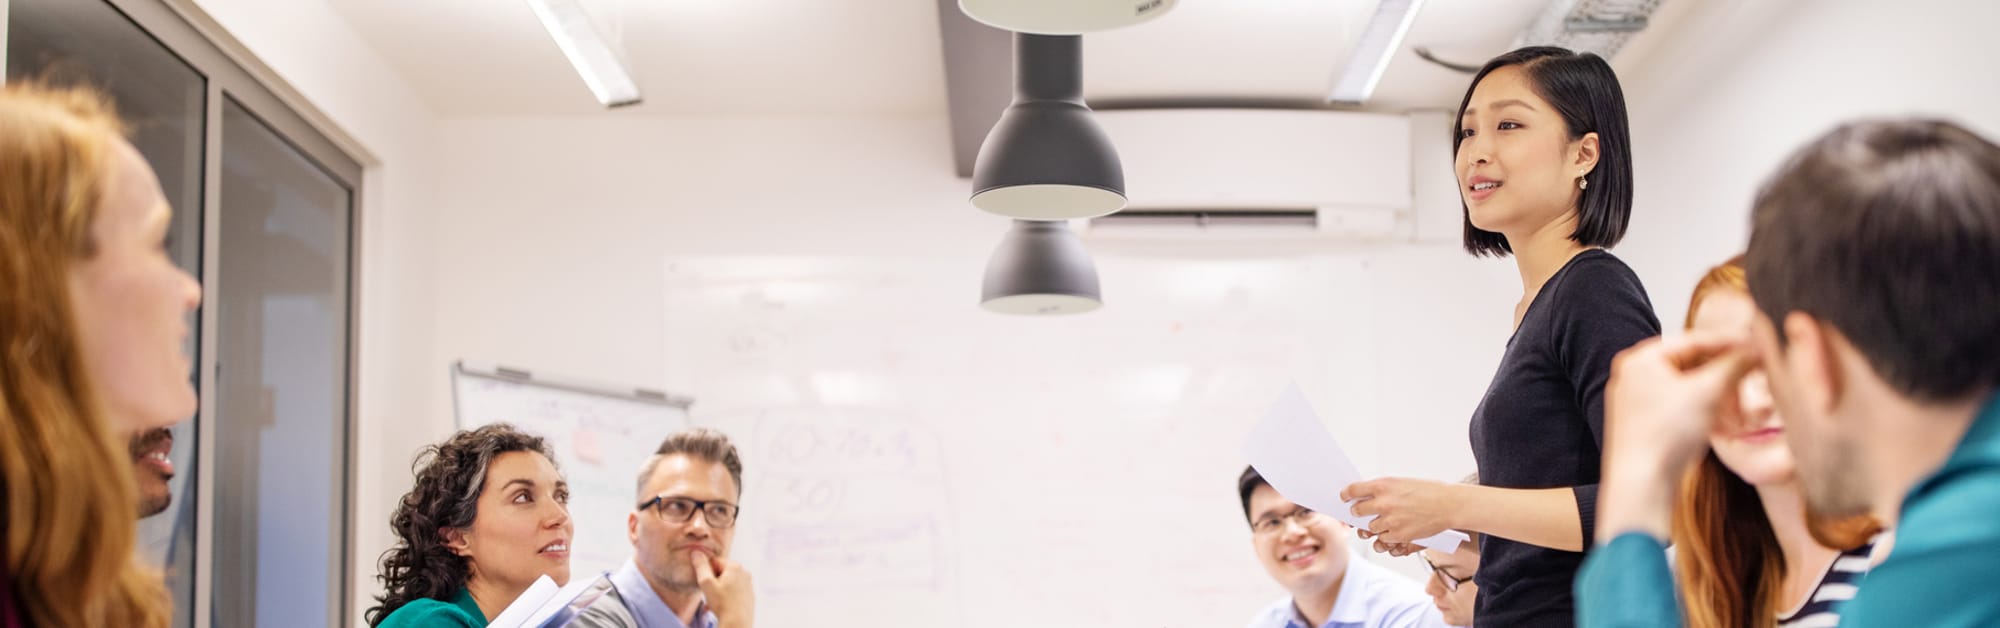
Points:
[(1940, 572), (459, 612)]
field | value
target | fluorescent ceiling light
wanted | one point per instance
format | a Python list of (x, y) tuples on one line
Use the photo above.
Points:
[(1372, 52), (587, 51)]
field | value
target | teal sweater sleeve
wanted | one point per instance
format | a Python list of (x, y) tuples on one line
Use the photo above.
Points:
[(1626, 584), (1942, 570), (460, 612)]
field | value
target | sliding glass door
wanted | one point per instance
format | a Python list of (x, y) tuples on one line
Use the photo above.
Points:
[(257, 532), (282, 422)]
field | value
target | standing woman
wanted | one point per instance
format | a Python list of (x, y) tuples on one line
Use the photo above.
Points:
[(93, 316), (1544, 166)]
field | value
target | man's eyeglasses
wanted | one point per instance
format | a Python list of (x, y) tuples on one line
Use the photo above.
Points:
[(681, 510), (1270, 524), (1445, 578)]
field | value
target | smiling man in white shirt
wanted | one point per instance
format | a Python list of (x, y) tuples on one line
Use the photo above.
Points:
[(1306, 553)]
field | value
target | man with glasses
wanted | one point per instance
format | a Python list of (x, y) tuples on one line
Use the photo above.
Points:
[(1307, 554), (680, 575), (1451, 587)]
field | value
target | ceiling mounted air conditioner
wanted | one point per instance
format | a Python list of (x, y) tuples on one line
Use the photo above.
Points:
[(1259, 173)]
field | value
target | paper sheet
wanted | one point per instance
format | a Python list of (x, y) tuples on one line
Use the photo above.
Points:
[(567, 603), (544, 604), (531, 600), (1299, 458)]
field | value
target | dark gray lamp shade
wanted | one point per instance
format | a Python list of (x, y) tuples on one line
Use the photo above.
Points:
[(1063, 17), (1040, 268), (1046, 159)]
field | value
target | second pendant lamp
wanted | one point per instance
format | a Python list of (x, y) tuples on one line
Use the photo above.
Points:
[(1047, 159), (1040, 268)]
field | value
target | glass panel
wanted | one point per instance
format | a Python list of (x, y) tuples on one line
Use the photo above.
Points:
[(282, 391), (163, 99)]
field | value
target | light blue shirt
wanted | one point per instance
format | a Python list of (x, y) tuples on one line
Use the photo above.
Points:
[(646, 606), (1371, 596)]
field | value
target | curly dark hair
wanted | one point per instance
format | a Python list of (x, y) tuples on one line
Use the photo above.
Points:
[(446, 495)]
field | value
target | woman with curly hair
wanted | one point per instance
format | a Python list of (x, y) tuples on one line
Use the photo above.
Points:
[(488, 515)]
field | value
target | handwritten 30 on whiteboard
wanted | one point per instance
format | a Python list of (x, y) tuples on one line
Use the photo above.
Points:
[(1303, 462)]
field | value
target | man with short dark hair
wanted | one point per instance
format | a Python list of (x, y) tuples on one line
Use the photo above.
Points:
[(1874, 260), (1306, 552), (152, 469), (680, 575), (1451, 587)]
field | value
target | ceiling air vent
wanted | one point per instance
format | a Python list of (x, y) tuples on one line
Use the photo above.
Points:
[(1599, 26), (1304, 218)]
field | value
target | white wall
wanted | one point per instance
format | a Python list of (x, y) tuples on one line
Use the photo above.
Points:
[(402, 384), (554, 230), (825, 271), (1719, 105)]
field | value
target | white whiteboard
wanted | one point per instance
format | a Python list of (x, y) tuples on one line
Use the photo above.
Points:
[(600, 435), (913, 461)]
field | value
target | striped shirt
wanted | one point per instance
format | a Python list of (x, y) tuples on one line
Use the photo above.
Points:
[(1940, 574), (1841, 582)]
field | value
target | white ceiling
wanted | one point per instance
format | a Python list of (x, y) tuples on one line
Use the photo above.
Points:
[(491, 57), (1294, 50)]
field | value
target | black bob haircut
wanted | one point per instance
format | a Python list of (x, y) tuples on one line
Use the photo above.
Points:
[(1585, 92), (1247, 484)]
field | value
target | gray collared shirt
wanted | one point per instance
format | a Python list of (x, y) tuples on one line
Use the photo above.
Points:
[(633, 604)]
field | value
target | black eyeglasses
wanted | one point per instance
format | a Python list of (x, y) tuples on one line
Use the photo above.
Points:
[(1445, 578), (719, 514), (1272, 523)]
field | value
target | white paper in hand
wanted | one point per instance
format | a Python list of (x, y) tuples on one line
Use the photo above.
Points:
[(566, 604), (1300, 460), (522, 607), (544, 605)]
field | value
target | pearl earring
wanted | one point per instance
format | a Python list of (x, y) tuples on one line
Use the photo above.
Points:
[(1582, 183)]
